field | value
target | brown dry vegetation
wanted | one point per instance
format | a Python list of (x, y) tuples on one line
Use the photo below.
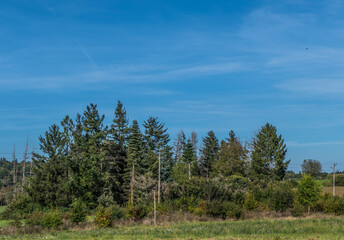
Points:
[(339, 190)]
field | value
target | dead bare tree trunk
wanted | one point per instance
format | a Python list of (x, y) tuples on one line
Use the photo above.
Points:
[(24, 163), (14, 172)]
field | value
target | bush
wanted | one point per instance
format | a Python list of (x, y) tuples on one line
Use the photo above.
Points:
[(297, 210), (223, 209), (103, 218), (308, 191), (78, 213), (52, 219), (136, 212), (250, 202), (117, 212), (333, 204), (282, 197), (20, 207)]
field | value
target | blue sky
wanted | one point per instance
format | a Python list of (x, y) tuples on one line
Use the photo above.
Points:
[(197, 65)]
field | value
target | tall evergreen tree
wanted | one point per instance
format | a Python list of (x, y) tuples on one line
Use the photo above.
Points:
[(232, 157), (209, 153), (156, 138), (136, 164), (88, 156), (166, 164), (190, 159), (268, 155), (117, 146), (49, 183)]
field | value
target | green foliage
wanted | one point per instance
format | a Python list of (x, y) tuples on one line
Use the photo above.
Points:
[(210, 150), (103, 218), (79, 212), (308, 191), (49, 184), (268, 154), (117, 212), (232, 156), (224, 209), (250, 202), (282, 197), (312, 167), (156, 138), (20, 207), (52, 219), (298, 209), (136, 212)]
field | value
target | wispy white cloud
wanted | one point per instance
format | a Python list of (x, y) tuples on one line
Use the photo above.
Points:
[(313, 86), (121, 74), (312, 144)]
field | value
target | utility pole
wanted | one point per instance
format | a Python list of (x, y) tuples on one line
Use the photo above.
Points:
[(159, 178), (334, 178), (14, 172)]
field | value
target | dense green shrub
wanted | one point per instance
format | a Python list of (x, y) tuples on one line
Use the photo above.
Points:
[(20, 207), (282, 197), (52, 219), (117, 212), (223, 209), (78, 212), (103, 218), (250, 202), (308, 191), (297, 210), (137, 212), (333, 204), (339, 180)]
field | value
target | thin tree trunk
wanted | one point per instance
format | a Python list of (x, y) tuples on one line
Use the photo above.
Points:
[(189, 171), (14, 172), (159, 179), (24, 164), (132, 185)]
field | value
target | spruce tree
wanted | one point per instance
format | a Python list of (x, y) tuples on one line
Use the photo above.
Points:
[(189, 158), (88, 156), (49, 183), (268, 155), (117, 146), (209, 153), (136, 164), (156, 138), (232, 157)]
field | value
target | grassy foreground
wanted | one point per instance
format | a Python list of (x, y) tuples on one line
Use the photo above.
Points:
[(329, 228)]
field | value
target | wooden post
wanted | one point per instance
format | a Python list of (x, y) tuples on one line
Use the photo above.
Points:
[(159, 178), (334, 179), (154, 208)]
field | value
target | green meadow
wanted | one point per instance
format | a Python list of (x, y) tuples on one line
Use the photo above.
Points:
[(324, 228)]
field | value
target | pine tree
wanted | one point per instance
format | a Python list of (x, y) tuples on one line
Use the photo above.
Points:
[(232, 157), (136, 164), (190, 159), (166, 164), (268, 154), (88, 156), (117, 146), (49, 183), (209, 153), (156, 138)]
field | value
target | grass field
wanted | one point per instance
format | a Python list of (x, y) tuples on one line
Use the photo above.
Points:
[(339, 190), (326, 228), (3, 223)]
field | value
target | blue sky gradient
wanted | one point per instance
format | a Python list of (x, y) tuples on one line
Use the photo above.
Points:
[(197, 65)]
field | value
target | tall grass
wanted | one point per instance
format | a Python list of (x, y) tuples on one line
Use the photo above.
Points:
[(327, 228)]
